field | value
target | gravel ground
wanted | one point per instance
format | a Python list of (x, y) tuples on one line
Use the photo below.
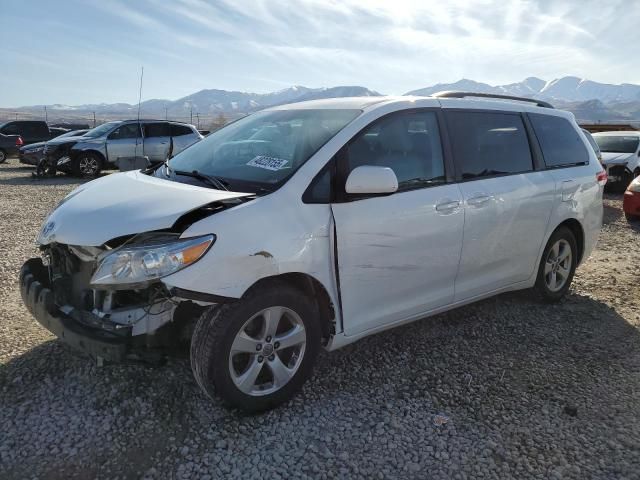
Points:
[(507, 388)]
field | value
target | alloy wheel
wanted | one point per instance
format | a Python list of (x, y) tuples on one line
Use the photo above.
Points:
[(88, 166), (267, 351), (557, 267)]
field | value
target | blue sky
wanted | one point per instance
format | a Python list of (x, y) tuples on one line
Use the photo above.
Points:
[(90, 51)]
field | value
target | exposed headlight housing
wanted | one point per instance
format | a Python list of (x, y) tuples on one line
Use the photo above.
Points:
[(135, 265)]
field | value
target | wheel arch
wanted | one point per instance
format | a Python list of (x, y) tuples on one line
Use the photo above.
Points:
[(97, 153), (311, 287)]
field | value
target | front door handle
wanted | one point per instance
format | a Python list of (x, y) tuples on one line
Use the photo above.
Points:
[(479, 200), (447, 206)]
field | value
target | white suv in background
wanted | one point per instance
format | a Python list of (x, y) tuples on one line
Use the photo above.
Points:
[(620, 155), (314, 225)]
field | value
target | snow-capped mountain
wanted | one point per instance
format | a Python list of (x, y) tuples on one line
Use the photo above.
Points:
[(589, 100), (566, 89)]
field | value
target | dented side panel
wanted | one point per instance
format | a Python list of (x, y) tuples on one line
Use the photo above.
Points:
[(295, 240)]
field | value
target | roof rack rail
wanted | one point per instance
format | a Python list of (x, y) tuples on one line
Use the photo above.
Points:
[(456, 94)]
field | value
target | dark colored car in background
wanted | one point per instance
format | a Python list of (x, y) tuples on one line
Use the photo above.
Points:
[(32, 154), (31, 131), (9, 145)]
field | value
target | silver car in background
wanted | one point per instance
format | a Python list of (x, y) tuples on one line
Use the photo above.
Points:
[(102, 147)]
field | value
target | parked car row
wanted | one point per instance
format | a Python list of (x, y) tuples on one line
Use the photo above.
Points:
[(87, 152), (33, 153)]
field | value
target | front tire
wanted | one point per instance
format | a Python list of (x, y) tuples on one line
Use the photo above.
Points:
[(557, 265), (256, 353), (3, 156), (86, 165)]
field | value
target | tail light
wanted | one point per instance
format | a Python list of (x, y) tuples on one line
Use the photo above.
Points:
[(602, 177), (19, 142)]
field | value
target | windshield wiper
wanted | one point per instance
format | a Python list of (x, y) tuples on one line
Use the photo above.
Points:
[(212, 181)]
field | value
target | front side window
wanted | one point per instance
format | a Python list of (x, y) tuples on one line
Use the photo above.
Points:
[(487, 144), (560, 142), (130, 130), (617, 143), (406, 142), (263, 149)]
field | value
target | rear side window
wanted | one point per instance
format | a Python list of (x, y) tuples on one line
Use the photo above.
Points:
[(40, 129), (560, 142), (179, 130), (156, 130), (11, 129), (487, 144)]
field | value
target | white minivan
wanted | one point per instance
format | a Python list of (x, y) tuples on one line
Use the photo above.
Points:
[(314, 225)]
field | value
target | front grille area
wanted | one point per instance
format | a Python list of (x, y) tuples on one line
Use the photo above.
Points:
[(69, 277)]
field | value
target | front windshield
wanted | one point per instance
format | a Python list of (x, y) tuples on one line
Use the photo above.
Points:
[(263, 149), (617, 143), (101, 130)]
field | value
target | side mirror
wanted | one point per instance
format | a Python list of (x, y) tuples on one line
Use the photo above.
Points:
[(369, 179), (114, 134)]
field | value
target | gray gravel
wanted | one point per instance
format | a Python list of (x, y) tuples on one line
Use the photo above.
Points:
[(507, 388)]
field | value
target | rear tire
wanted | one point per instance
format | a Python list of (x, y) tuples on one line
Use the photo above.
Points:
[(557, 265), (86, 165), (238, 352), (3, 156)]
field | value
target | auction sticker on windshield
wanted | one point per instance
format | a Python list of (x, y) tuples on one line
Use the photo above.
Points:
[(268, 163)]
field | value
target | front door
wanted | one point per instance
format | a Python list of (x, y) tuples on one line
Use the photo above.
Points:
[(157, 139), (507, 203), (124, 141), (398, 254)]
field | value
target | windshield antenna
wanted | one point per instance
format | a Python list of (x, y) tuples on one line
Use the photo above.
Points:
[(139, 102)]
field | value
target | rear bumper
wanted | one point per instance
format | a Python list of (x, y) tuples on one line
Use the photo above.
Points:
[(38, 299)]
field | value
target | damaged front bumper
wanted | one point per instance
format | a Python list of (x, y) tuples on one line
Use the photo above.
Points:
[(99, 343), (122, 335)]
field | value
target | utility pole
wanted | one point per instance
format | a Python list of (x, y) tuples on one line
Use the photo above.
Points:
[(16, 115), (46, 117), (94, 119), (198, 117), (191, 116), (166, 117)]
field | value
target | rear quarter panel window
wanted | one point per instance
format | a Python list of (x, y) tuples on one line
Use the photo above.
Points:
[(560, 142), (179, 130), (488, 144)]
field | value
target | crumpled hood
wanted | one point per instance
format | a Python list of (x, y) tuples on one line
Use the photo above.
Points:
[(123, 204), (60, 141), (613, 158)]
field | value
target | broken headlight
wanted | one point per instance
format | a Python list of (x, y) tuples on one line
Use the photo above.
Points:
[(140, 264)]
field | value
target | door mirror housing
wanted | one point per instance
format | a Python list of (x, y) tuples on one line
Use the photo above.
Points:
[(370, 179)]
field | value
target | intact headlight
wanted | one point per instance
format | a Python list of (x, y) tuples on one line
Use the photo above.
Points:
[(144, 263)]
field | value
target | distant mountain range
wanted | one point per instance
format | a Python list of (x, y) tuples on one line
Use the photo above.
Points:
[(588, 100)]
